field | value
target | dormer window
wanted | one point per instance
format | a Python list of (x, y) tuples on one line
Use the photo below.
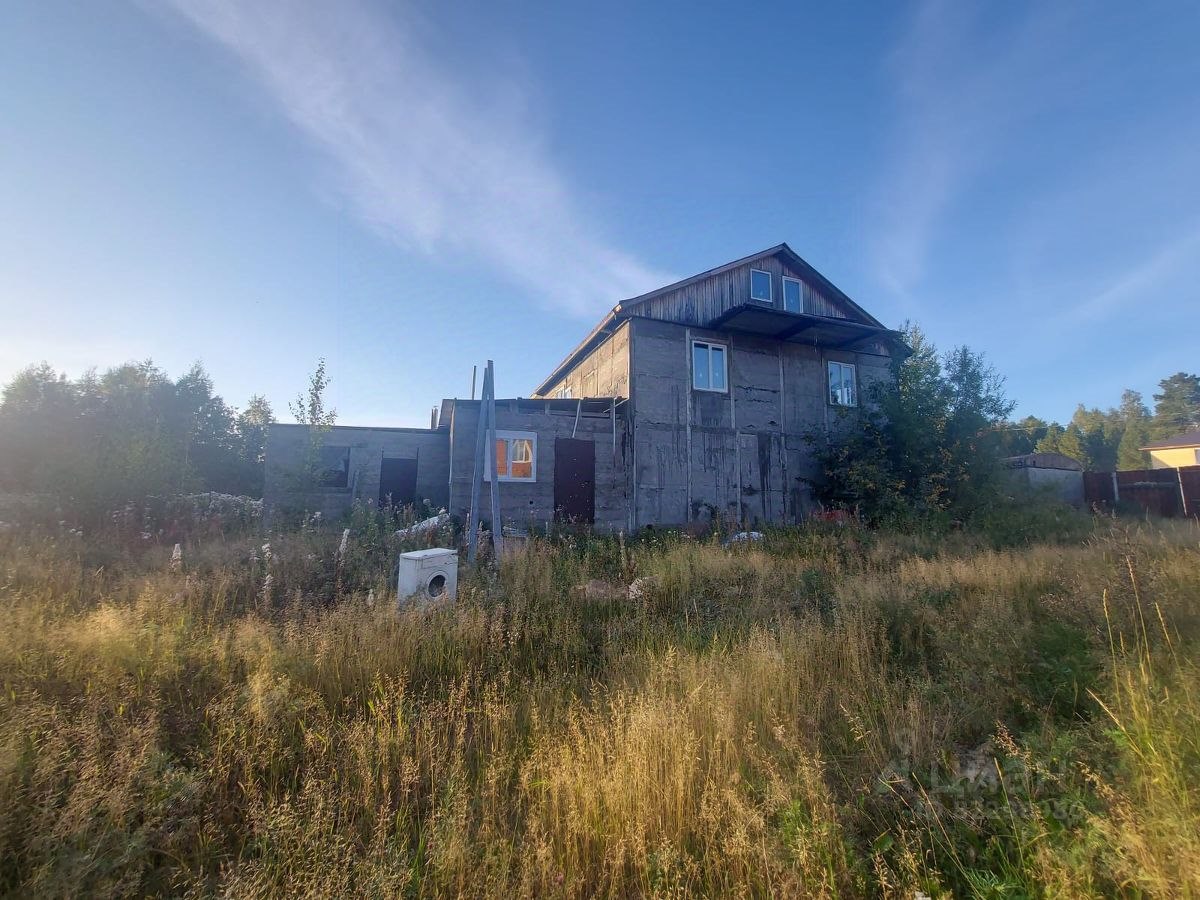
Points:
[(793, 295), (760, 285)]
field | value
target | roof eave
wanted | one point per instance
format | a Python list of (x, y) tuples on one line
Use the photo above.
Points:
[(1185, 441)]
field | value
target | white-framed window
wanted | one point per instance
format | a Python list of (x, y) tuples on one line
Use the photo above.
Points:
[(760, 285), (843, 391), (516, 455), (564, 393), (793, 295), (709, 370)]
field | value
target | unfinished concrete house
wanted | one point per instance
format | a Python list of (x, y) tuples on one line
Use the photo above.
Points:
[(692, 402)]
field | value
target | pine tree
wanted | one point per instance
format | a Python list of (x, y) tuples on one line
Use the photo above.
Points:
[(1177, 406), (1135, 433), (1019, 438)]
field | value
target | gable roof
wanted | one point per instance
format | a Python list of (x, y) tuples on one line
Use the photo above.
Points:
[(627, 308), (1187, 439), (796, 261)]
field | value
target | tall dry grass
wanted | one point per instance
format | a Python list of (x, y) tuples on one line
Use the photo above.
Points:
[(830, 713)]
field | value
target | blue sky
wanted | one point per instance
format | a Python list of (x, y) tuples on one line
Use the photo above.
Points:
[(411, 188)]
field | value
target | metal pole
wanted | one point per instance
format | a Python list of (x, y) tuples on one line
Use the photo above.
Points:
[(578, 409), (1182, 495), (474, 369)]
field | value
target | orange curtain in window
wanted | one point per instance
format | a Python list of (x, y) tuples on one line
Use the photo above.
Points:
[(501, 457)]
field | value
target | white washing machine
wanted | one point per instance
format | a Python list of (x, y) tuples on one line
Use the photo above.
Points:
[(425, 575)]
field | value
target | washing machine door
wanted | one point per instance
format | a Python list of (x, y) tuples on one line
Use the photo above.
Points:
[(435, 585)]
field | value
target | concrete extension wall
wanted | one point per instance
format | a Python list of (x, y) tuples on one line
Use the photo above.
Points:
[(602, 373), (288, 444), (524, 502), (1065, 485), (740, 454)]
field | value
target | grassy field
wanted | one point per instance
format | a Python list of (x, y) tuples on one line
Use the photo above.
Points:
[(832, 712)]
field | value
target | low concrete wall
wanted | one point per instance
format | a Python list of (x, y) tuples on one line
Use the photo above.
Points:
[(287, 446), (1062, 484), (525, 503)]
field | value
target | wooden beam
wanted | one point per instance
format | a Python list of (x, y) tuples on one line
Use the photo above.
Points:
[(612, 412), (489, 386), (476, 485)]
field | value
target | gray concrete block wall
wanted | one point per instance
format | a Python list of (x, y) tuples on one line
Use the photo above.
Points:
[(743, 454), (524, 503), (1064, 485), (287, 446), (679, 455)]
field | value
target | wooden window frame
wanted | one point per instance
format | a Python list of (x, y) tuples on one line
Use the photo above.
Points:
[(853, 367), (509, 436), (724, 364), (800, 284), (770, 287)]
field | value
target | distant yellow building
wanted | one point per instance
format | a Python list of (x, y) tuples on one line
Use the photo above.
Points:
[(1176, 452)]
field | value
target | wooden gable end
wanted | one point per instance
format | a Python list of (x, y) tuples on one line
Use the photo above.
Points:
[(720, 299), (699, 302)]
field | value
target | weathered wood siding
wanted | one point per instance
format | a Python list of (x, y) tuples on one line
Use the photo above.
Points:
[(602, 373), (705, 300), (288, 444), (522, 503), (740, 455)]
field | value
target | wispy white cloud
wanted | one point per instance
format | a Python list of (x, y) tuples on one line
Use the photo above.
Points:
[(437, 163), (1137, 286), (962, 88)]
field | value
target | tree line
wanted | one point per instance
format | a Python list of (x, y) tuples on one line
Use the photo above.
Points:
[(132, 432), (1109, 440)]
